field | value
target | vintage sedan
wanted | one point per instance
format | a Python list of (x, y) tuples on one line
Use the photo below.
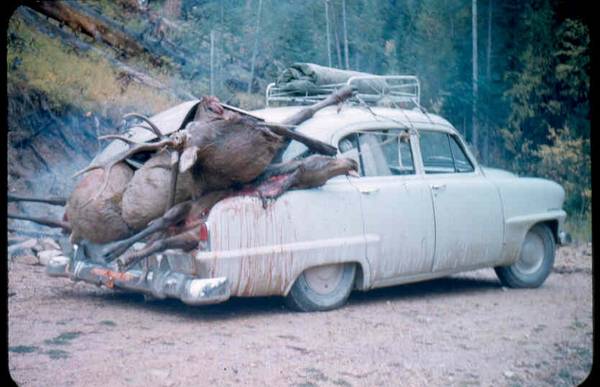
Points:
[(422, 208)]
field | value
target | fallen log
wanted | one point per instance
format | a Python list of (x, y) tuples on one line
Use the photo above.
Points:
[(27, 244), (34, 233), (41, 220), (15, 239), (81, 20), (126, 72), (57, 201)]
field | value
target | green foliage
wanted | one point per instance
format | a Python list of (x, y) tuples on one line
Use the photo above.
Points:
[(549, 89), (532, 108), (567, 160)]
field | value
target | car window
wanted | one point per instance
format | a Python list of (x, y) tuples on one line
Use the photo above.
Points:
[(461, 161), (379, 153), (295, 150), (442, 153)]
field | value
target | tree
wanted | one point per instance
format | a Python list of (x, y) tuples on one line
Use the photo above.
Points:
[(255, 51), (474, 124), (327, 32), (346, 54)]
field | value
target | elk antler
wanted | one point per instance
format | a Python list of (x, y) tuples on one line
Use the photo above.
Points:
[(138, 147), (120, 137), (175, 155), (107, 166), (154, 128), (172, 142)]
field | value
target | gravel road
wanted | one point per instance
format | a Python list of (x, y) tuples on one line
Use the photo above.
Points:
[(462, 330)]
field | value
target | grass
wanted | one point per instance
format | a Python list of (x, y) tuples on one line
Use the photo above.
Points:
[(580, 227), (84, 79), (57, 354), (23, 349), (63, 339)]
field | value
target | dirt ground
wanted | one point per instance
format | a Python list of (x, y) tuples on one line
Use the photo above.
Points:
[(462, 330)]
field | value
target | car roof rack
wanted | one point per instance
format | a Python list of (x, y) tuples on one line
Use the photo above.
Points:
[(399, 91)]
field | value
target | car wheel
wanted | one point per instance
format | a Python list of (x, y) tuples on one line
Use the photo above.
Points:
[(322, 288), (535, 260)]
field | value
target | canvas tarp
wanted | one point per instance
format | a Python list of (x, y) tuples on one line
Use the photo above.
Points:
[(307, 78)]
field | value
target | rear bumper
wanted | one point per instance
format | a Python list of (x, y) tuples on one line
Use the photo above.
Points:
[(160, 282)]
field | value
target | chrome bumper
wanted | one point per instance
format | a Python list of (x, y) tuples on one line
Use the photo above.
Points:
[(160, 282)]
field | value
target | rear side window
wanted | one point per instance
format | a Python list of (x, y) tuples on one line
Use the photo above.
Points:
[(383, 152), (461, 161), (442, 153)]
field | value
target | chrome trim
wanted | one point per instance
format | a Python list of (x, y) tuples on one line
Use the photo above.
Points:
[(160, 282)]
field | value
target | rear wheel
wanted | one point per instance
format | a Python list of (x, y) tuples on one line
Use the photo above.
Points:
[(535, 260), (322, 288)]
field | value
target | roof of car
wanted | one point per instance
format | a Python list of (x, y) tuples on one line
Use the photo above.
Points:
[(327, 121), (321, 126)]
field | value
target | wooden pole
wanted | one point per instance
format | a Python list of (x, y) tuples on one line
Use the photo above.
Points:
[(337, 39), (212, 62), (256, 35), (328, 33), (474, 123), (346, 55), (488, 77)]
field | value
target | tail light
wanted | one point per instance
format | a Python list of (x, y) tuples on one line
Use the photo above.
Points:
[(203, 232)]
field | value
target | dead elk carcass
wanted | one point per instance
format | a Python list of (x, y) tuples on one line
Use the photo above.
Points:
[(221, 148)]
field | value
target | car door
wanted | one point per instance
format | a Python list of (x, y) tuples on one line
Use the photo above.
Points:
[(469, 223), (395, 202)]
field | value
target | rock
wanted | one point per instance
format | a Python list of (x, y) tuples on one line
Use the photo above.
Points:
[(59, 260), (22, 248), (29, 259), (46, 255), (48, 244), (509, 374)]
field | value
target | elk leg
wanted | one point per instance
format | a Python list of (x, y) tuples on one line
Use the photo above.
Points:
[(280, 169), (174, 215), (174, 175), (41, 220), (274, 188), (186, 241)]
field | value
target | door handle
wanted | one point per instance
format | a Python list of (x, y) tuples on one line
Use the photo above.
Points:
[(438, 187), (368, 190)]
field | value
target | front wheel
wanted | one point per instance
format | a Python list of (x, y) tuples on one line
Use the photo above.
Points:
[(535, 260), (322, 288)]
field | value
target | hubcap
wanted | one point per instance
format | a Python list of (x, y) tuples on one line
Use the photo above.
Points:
[(532, 254), (324, 279)]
